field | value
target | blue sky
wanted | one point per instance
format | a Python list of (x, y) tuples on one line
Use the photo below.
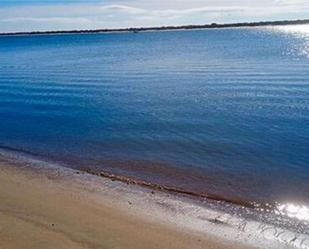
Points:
[(30, 15)]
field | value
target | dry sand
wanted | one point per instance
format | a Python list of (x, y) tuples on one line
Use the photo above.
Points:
[(41, 209)]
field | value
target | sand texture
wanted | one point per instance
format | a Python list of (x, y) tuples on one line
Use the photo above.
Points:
[(49, 210)]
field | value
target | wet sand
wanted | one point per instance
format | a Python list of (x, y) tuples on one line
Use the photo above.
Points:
[(51, 209)]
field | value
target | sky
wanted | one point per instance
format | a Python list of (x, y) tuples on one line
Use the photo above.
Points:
[(34, 15)]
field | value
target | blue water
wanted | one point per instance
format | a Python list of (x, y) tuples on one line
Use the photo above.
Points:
[(217, 111)]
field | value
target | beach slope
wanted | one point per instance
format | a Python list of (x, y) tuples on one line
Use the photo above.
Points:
[(49, 209)]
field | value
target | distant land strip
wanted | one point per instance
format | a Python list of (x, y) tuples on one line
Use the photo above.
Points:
[(163, 28)]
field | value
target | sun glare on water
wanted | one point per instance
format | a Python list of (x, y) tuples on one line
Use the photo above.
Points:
[(301, 33), (299, 212), (295, 29)]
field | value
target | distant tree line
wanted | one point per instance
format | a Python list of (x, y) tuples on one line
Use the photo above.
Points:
[(185, 27)]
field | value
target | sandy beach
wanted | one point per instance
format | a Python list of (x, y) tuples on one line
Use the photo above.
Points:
[(40, 209), (44, 205)]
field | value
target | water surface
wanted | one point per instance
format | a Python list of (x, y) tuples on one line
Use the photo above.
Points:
[(221, 111)]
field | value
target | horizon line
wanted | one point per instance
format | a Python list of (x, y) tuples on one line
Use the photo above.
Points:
[(163, 28)]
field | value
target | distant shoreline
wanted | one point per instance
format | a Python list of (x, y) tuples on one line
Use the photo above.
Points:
[(164, 28)]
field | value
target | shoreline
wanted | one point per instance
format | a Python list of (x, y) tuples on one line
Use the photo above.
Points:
[(269, 206), (173, 189), (163, 28), (199, 224)]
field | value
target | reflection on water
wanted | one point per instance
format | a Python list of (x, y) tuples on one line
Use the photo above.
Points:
[(295, 29), (292, 210), (301, 32)]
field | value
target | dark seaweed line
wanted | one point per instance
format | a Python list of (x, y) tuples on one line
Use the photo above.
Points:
[(175, 190)]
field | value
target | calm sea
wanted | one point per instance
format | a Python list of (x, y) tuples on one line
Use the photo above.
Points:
[(224, 111)]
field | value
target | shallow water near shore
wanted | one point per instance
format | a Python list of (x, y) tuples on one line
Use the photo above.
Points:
[(216, 222), (223, 112)]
